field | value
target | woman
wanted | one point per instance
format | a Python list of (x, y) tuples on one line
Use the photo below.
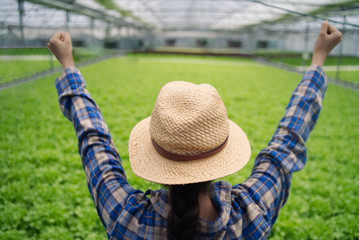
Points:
[(186, 143)]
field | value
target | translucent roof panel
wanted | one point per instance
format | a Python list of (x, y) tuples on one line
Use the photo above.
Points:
[(39, 16), (217, 15), (167, 15)]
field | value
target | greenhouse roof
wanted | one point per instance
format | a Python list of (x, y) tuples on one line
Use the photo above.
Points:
[(167, 15), (229, 14)]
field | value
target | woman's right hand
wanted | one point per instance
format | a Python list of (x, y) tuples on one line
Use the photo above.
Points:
[(60, 44), (327, 39)]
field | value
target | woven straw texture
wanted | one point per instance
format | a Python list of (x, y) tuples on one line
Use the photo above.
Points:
[(187, 119)]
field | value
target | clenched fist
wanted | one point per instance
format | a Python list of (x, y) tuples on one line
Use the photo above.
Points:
[(327, 39), (61, 46)]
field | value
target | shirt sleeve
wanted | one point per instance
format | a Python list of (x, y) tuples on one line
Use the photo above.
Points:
[(268, 186), (105, 175)]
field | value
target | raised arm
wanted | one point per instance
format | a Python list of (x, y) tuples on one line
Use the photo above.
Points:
[(102, 164), (268, 186)]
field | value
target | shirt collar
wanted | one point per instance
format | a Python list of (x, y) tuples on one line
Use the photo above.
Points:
[(221, 198), (160, 202)]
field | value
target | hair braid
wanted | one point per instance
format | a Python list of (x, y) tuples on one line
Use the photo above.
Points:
[(183, 217)]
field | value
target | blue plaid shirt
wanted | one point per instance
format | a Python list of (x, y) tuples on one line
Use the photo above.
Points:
[(247, 210)]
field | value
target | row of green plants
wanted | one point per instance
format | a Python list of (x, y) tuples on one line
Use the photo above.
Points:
[(25, 51), (13, 69), (43, 192), (351, 76)]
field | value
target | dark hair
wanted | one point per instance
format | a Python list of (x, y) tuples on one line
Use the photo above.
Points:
[(183, 216)]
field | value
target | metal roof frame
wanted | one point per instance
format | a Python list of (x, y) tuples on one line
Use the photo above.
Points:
[(81, 9)]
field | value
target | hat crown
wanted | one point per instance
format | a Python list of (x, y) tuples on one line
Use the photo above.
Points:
[(189, 119)]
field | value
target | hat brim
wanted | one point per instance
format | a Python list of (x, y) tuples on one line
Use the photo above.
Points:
[(148, 164)]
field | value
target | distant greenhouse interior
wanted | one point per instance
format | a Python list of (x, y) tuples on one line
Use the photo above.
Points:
[(246, 26), (279, 31)]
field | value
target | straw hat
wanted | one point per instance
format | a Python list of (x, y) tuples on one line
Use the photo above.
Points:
[(188, 138)]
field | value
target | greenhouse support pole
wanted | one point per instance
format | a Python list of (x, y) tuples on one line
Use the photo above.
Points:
[(150, 40), (21, 23), (356, 45), (253, 40), (306, 40), (337, 75), (282, 44), (51, 60), (92, 27), (108, 31), (67, 27)]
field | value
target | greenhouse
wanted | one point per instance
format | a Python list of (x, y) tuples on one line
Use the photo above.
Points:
[(254, 52)]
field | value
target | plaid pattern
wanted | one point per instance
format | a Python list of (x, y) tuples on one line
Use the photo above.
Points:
[(247, 210)]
